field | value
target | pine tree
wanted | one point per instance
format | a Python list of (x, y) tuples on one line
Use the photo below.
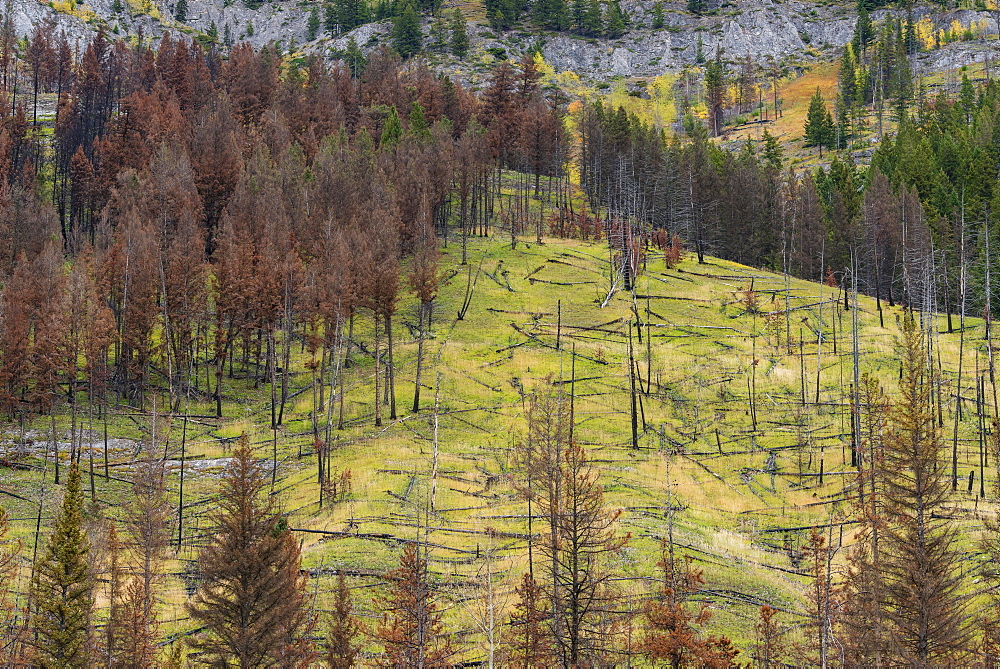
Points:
[(341, 649), (459, 37), (697, 7), (715, 93), (922, 566), (411, 630), (771, 153), (330, 23), (416, 122), (180, 11), (62, 589), (593, 19), (392, 130), (252, 600), (312, 25), (407, 38)]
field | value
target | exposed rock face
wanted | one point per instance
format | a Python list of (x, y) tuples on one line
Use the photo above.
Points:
[(758, 29), (785, 30)]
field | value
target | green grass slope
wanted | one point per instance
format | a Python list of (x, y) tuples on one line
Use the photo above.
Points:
[(739, 412)]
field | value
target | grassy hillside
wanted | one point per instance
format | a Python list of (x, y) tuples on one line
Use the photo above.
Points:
[(741, 404)]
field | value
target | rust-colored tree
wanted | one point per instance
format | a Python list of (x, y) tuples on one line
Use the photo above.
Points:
[(252, 600), (580, 532), (341, 640), (673, 635), (924, 605), (528, 641), (411, 631)]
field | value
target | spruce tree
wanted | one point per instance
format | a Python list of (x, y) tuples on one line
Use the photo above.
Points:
[(407, 38), (252, 601), (330, 23), (819, 124), (459, 37), (180, 10), (697, 7), (593, 19), (62, 589), (392, 130)]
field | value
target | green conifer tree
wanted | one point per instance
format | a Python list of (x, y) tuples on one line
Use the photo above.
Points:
[(417, 121), (62, 589), (697, 7), (816, 132), (407, 38), (312, 24), (355, 60), (330, 23), (593, 20), (392, 131), (771, 153), (657, 16), (438, 35), (459, 37), (180, 10), (617, 21)]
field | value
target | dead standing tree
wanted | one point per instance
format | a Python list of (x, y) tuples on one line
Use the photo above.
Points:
[(579, 535)]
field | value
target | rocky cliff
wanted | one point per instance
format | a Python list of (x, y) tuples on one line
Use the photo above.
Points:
[(789, 31)]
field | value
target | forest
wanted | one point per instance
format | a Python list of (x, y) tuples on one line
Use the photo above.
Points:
[(596, 365)]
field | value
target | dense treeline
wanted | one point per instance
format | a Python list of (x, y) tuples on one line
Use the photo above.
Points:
[(914, 227), (225, 201)]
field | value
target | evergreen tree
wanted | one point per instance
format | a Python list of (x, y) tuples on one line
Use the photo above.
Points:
[(578, 10), (819, 124), (180, 10), (213, 32), (407, 38), (312, 25), (715, 92), (438, 35), (417, 122), (863, 32), (697, 7), (772, 151), (617, 21), (550, 14), (62, 590), (330, 23), (252, 600), (355, 60), (593, 20), (392, 131), (459, 37), (657, 16)]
